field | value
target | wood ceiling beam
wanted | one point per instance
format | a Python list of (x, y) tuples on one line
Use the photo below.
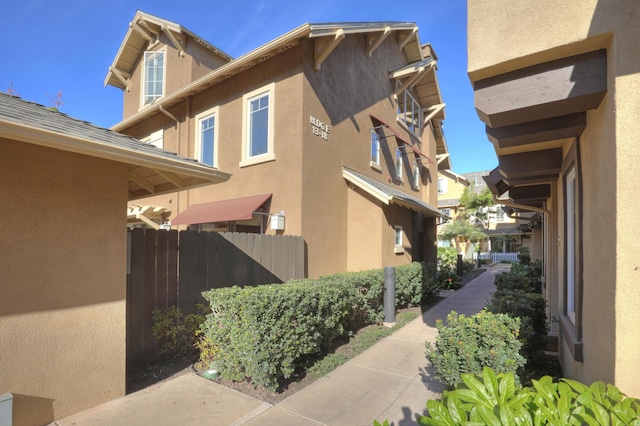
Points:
[(406, 39), (566, 126), (432, 111), (173, 39), (530, 164), (530, 193), (561, 87), (324, 46), (134, 177), (171, 177), (145, 33), (121, 76)]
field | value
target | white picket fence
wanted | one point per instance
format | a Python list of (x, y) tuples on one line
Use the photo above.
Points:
[(498, 257)]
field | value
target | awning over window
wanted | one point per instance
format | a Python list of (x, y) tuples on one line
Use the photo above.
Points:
[(221, 211), (389, 195)]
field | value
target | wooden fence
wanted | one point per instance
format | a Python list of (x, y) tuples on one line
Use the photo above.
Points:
[(166, 268)]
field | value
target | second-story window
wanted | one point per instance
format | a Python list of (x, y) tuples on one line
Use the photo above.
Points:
[(207, 137), (153, 77), (375, 149), (416, 174), (258, 126), (442, 185), (409, 111), (399, 163)]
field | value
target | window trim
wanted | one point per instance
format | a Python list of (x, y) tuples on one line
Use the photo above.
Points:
[(399, 164), (215, 112), (375, 164), (163, 52), (571, 330), (398, 240), (269, 90)]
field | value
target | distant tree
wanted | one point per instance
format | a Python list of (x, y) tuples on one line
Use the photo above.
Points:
[(473, 205), (462, 231)]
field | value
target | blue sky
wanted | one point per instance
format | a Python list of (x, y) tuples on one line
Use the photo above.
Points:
[(67, 46)]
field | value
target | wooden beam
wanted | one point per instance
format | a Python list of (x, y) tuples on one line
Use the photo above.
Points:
[(530, 193), (173, 39), (495, 182), (134, 177), (561, 87), (566, 126), (324, 46), (432, 111), (406, 39), (530, 164), (121, 76), (374, 41), (147, 35), (171, 177), (413, 79)]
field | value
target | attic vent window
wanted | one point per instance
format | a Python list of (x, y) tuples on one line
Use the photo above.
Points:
[(153, 75)]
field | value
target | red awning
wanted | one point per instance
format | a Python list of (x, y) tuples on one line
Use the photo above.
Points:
[(221, 211)]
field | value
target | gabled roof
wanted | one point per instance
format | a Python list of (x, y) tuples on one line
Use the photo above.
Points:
[(389, 195), (144, 29), (326, 37), (151, 170)]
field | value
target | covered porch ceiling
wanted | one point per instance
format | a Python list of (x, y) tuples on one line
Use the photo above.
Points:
[(531, 114)]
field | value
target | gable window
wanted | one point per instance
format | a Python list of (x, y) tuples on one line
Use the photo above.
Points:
[(442, 185), (375, 149), (398, 163), (152, 77), (258, 126), (409, 111), (207, 137), (416, 174)]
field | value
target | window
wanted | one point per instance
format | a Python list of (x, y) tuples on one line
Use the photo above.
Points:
[(258, 126), (156, 139), (398, 240), (416, 174), (398, 163), (499, 214), (409, 111), (152, 77), (207, 137), (570, 219), (442, 185), (375, 148)]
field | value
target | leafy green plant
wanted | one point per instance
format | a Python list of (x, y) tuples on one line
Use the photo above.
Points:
[(178, 331), (467, 344), (496, 399), (447, 268)]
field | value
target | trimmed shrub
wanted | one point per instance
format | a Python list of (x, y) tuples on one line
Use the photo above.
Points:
[(531, 309), (467, 344), (497, 400), (265, 333), (513, 281), (447, 268)]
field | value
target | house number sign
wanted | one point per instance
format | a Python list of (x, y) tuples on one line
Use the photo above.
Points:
[(319, 128)]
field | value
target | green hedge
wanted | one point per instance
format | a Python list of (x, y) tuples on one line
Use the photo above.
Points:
[(265, 333), (467, 344)]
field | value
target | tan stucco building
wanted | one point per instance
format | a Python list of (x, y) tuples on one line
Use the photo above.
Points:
[(557, 84), (65, 185), (333, 131)]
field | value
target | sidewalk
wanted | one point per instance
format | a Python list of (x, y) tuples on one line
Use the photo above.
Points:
[(389, 381)]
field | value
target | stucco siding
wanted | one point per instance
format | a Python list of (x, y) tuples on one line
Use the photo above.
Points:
[(62, 310)]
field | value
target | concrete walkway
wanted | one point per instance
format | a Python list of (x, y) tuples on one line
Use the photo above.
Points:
[(389, 381)]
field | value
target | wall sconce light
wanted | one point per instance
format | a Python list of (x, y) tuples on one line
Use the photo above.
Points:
[(277, 221)]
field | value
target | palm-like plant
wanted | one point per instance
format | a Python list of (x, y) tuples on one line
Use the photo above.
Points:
[(461, 231)]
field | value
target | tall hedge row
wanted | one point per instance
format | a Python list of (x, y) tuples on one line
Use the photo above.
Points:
[(265, 333)]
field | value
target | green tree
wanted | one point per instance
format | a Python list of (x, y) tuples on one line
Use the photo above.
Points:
[(473, 204), (462, 231)]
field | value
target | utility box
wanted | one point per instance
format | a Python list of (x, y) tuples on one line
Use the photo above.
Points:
[(6, 409)]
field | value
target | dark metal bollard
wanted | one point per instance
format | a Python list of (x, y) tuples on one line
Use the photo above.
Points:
[(389, 294), (459, 265), (479, 260)]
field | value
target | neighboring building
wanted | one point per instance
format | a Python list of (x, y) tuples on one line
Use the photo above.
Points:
[(64, 254), (331, 131), (505, 233), (557, 85)]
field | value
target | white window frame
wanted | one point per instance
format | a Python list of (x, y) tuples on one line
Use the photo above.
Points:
[(570, 221), (442, 185), (398, 239), (399, 163), (416, 174), (143, 92), (268, 90), (409, 111), (156, 139), (215, 113), (375, 148)]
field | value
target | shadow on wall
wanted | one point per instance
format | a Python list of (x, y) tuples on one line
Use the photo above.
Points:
[(31, 410)]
